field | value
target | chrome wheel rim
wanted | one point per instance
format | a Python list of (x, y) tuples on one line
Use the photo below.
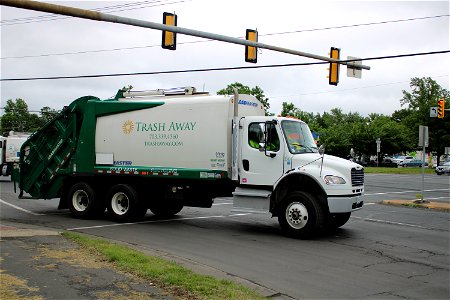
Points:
[(120, 203), (80, 200), (297, 215)]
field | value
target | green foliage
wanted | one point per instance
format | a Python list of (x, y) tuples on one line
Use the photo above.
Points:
[(243, 89), (340, 132), (425, 93), (18, 118)]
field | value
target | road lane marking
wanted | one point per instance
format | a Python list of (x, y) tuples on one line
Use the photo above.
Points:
[(21, 209), (389, 222), (156, 221)]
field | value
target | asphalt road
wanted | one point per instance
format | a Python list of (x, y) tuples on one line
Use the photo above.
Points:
[(383, 252)]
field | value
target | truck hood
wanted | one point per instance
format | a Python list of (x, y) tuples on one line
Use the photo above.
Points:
[(310, 164), (329, 161)]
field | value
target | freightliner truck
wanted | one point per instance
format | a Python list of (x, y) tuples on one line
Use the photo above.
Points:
[(166, 149)]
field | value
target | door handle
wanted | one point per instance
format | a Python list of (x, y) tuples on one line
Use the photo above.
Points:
[(246, 164)]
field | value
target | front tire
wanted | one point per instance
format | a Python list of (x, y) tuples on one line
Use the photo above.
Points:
[(83, 202), (338, 220), (123, 203), (301, 215)]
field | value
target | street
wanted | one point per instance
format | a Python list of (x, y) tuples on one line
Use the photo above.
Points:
[(382, 252)]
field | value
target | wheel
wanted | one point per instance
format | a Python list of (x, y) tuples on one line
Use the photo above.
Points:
[(338, 220), (123, 203), (167, 208), (82, 201), (301, 215)]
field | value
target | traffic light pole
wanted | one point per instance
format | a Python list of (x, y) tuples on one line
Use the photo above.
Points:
[(97, 16)]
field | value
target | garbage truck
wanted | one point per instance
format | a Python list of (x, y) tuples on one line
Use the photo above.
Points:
[(166, 149), (10, 150)]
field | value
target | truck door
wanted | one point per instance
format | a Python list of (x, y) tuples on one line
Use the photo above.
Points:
[(262, 153)]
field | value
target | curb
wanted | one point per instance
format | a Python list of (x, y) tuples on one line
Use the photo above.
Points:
[(440, 206)]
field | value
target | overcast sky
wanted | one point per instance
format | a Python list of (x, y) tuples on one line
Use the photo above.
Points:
[(43, 47)]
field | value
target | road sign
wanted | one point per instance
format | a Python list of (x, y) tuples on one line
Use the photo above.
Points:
[(423, 136), (433, 112), (354, 68)]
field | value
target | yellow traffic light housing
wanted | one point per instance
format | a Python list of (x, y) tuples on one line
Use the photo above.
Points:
[(441, 108), (333, 76), (169, 39), (251, 53)]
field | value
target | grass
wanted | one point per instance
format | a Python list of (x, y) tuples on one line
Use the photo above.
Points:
[(170, 276), (397, 170)]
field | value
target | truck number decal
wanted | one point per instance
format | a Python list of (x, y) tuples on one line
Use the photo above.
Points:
[(123, 169)]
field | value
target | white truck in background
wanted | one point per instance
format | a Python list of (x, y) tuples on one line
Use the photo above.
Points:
[(163, 150), (10, 151)]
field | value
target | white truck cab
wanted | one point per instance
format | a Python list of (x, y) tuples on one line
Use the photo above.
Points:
[(281, 170)]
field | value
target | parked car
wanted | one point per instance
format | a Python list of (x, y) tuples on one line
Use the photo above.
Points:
[(443, 169), (413, 163), (388, 163), (402, 159)]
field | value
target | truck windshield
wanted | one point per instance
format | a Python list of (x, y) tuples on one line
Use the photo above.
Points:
[(299, 138)]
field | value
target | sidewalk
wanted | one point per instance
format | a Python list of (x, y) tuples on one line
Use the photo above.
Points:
[(37, 263)]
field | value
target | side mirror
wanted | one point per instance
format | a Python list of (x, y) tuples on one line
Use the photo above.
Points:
[(321, 149)]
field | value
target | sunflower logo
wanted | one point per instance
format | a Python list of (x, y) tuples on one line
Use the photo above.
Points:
[(128, 127)]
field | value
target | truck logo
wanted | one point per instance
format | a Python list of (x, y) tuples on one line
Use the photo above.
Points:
[(128, 126), (248, 103)]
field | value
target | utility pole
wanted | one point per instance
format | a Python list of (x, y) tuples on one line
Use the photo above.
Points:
[(97, 16)]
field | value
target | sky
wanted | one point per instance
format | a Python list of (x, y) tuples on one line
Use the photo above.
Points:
[(36, 44)]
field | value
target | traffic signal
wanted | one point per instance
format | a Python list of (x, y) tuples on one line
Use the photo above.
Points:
[(441, 108), (333, 76), (251, 53), (169, 39)]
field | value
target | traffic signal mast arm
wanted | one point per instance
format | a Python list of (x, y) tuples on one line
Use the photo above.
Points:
[(97, 16)]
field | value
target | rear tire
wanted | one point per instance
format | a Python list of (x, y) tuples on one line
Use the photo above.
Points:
[(123, 203), (166, 209), (83, 202), (301, 215)]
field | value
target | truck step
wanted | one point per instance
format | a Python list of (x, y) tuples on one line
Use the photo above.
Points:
[(251, 200)]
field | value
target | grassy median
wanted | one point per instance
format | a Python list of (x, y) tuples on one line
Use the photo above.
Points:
[(398, 170), (168, 275)]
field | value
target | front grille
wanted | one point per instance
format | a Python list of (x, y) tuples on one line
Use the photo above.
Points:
[(357, 177)]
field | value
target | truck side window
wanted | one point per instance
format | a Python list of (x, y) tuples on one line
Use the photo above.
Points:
[(255, 135)]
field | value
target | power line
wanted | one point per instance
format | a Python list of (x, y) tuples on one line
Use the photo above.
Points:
[(362, 24), (346, 90), (109, 9), (219, 69), (202, 41)]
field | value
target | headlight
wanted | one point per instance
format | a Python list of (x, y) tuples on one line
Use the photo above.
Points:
[(330, 179)]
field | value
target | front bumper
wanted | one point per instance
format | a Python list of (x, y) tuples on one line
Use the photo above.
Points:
[(344, 204)]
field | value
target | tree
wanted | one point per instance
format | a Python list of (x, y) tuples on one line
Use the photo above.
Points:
[(425, 92), (18, 118), (289, 110), (47, 114), (243, 89)]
